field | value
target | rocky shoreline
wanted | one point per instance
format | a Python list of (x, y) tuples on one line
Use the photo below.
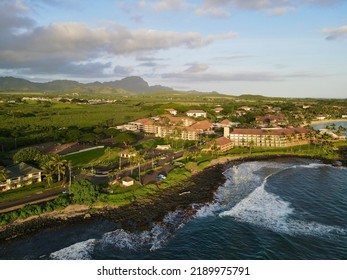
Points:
[(139, 215), (198, 189)]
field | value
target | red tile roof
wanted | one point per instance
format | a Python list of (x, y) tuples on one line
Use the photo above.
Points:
[(225, 122), (204, 125), (144, 121), (173, 119), (221, 141)]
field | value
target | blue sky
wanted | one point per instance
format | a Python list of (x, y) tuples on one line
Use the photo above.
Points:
[(289, 48)]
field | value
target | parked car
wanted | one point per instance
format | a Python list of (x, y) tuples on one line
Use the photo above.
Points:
[(161, 177)]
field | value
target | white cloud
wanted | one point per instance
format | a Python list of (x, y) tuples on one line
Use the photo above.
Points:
[(168, 5), (335, 33), (76, 43), (197, 67), (222, 77), (198, 73), (222, 8), (79, 39)]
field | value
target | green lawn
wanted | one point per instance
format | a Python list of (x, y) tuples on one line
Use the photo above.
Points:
[(85, 158)]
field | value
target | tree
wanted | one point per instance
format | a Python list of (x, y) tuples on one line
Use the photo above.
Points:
[(84, 192), (125, 138), (60, 165), (73, 135), (111, 132), (3, 174), (28, 155), (251, 145), (89, 138), (139, 159), (48, 170)]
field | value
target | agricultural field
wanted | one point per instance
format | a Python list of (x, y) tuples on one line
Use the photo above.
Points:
[(29, 123)]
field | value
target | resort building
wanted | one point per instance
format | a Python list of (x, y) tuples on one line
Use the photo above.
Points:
[(145, 125), (177, 132), (129, 127), (196, 113), (261, 137), (203, 127), (224, 144), (20, 175)]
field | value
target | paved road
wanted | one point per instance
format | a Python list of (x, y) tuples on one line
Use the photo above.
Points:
[(42, 196), (102, 179)]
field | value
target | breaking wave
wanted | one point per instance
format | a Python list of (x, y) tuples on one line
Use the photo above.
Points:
[(269, 211), (78, 251), (121, 239)]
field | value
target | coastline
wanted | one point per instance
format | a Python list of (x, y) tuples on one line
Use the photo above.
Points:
[(198, 189), (328, 121)]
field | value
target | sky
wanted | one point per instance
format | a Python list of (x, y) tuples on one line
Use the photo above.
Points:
[(285, 48)]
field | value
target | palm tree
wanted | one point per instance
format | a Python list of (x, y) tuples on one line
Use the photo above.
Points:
[(139, 159), (48, 169), (60, 165), (309, 137), (251, 145), (69, 164)]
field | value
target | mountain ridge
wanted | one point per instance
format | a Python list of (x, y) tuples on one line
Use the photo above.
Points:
[(133, 84)]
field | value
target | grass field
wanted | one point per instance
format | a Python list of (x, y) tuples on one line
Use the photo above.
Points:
[(85, 158)]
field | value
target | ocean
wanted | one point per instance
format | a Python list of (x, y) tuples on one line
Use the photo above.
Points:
[(277, 209)]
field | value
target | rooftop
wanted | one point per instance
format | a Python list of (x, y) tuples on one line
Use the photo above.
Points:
[(21, 169)]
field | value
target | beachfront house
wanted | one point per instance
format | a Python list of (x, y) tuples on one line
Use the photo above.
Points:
[(19, 175)]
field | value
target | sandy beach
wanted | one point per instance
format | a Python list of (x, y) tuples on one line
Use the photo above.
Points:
[(328, 121)]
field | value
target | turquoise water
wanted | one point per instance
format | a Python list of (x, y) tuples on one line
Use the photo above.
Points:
[(283, 209), (323, 125)]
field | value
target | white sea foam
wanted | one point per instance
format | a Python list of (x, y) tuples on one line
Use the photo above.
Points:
[(241, 181), (269, 211), (78, 251), (121, 239)]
